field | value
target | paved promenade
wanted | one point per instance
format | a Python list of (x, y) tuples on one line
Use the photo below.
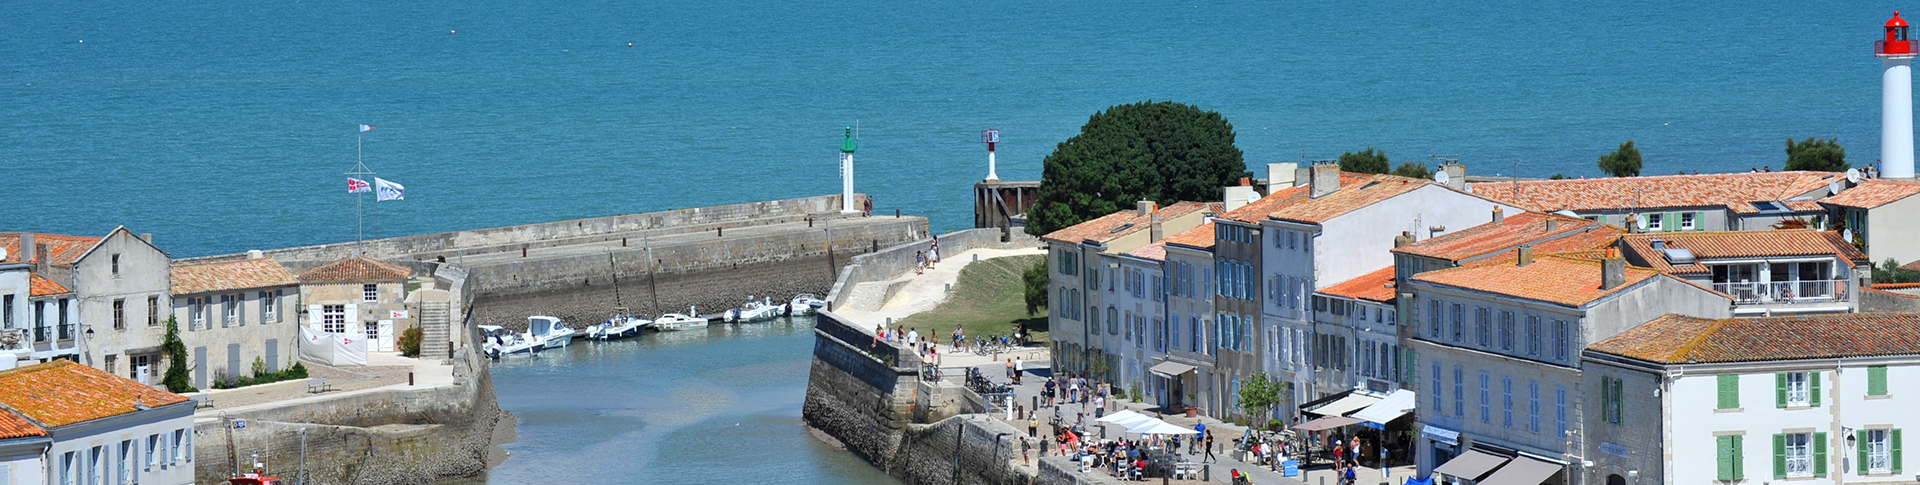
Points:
[(917, 292), (384, 370)]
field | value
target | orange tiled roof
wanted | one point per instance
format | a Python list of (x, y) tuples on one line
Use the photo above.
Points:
[(1197, 238), (1349, 198), (230, 275), (1878, 289), (61, 392), (45, 287), (1111, 226), (1736, 191), (1375, 286), (1873, 193), (1896, 286), (14, 426), (1513, 231), (1258, 210), (1681, 339), (62, 250), (1739, 244), (1551, 278), (353, 269), (1156, 251)]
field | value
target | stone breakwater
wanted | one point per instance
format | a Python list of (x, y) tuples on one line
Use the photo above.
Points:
[(710, 291)]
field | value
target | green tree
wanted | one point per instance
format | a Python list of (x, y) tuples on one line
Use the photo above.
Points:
[(1259, 394), (1036, 284), (1624, 162), (1163, 152), (1817, 155), (1558, 176), (1413, 170), (176, 378), (1889, 271), (1365, 161)]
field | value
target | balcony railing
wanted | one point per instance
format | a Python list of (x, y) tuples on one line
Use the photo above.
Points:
[(1896, 48), (1799, 291), (43, 333)]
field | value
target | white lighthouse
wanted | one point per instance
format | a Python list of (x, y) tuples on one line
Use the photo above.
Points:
[(846, 174), (990, 137), (1896, 53)]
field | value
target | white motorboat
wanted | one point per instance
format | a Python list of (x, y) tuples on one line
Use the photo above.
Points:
[(804, 304), (549, 331), (753, 311), (618, 327), (501, 342), (677, 321)]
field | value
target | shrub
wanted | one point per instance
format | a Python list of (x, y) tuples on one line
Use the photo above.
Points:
[(176, 378), (410, 342)]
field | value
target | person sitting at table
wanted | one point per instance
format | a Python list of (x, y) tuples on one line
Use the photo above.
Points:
[(1139, 469)]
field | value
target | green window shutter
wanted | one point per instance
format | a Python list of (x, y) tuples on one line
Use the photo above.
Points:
[(1618, 406), (1780, 389), (1779, 456), (1861, 444), (1729, 391), (1670, 222), (1739, 457), (1893, 448), (1877, 380), (1819, 454), (1725, 449), (1606, 399), (1813, 388), (1699, 221)]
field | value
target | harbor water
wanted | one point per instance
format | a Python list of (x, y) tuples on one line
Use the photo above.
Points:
[(225, 125), (713, 405)]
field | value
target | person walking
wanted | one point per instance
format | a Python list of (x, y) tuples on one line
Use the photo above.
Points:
[(1019, 370), (1033, 425), (1208, 446)]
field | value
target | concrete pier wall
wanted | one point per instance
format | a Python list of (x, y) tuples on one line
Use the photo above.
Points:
[(893, 261)]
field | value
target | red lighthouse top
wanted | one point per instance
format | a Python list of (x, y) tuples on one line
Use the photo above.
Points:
[(1896, 44)]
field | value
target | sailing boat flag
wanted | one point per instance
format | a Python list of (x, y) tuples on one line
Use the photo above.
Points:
[(389, 190), (366, 128), (357, 186)]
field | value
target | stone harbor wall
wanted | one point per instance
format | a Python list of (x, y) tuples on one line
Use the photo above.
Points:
[(893, 261)]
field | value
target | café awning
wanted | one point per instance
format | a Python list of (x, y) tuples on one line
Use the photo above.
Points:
[(1397, 404), (1523, 470), (1326, 423), (1171, 369), (1471, 465), (1344, 405)]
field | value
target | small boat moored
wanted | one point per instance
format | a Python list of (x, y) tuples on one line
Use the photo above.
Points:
[(619, 327), (549, 331), (803, 304), (501, 342), (753, 311), (676, 321)]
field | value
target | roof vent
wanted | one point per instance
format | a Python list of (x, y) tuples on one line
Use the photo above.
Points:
[(1679, 256), (1122, 227), (1658, 244)]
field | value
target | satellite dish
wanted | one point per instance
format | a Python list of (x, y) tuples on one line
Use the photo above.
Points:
[(1252, 197), (1846, 234), (1442, 177), (3, 254), (1853, 175)]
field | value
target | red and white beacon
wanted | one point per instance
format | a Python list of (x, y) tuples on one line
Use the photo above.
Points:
[(1896, 54), (990, 137)]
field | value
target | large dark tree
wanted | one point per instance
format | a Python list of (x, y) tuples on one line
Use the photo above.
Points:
[(1817, 155), (1624, 162), (1164, 152), (1413, 170), (1364, 161)]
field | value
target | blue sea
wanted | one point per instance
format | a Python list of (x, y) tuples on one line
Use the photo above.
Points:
[(224, 125)]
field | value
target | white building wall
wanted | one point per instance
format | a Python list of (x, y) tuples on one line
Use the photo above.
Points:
[(1844, 406), (1361, 241), (21, 465), (161, 423), (1891, 232)]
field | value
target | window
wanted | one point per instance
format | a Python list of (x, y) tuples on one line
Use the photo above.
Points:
[(1796, 389), (1506, 331), (66, 468), (333, 318), (119, 313), (1533, 406), (1610, 394), (1799, 455), (96, 457), (1731, 458), (1729, 391), (1113, 321), (1483, 327), (229, 310), (1439, 406), (1654, 222), (1193, 339), (267, 311), (1560, 349), (66, 328), (116, 265), (1688, 222), (6, 311), (153, 444), (1876, 380), (1506, 401), (153, 311), (1880, 450), (1459, 392), (182, 445), (370, 292), (1129, 325), (1486, 403), (135, 364), (1459, 321), (1173, 332), (1560, 409), (125, 463), (1533, 336)]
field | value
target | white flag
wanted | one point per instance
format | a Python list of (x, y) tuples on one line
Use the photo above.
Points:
[(388, 190)]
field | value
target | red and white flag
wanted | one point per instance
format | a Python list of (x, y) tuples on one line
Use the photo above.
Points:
[(357, 186)]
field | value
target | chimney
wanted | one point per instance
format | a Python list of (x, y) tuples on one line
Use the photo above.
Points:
[(1280, 175), (1155, 232), (1405, 238), (1658, 244), (1236, 196), (1142, 208), (147, 236), (26, 247), (1553, 223), (1496, 215), (1613, 273), (1301, 175), (1326, 178), (1456, 175), (1526, 254), (41, 259), (255, 254)]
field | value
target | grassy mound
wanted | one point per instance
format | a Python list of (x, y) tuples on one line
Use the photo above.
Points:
[(988, 299)]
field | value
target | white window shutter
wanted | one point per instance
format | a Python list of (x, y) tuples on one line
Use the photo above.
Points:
[(314, 318), (353, 318)]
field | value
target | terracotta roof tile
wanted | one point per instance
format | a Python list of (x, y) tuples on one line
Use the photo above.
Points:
[(1739, 244), (1877, 289), (1198, 238), (62, 250), (1349, 198), (354, 268), (1258, 210), (1111, 226), (1156, 251), (1911, 265), (1550, 278), (1873, 193), (61, 392), (230, 275), (1514, 231), (1896, 286), (1375, 286), (14, 426), (1736, 191), (46, 287), (1680, 339)]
